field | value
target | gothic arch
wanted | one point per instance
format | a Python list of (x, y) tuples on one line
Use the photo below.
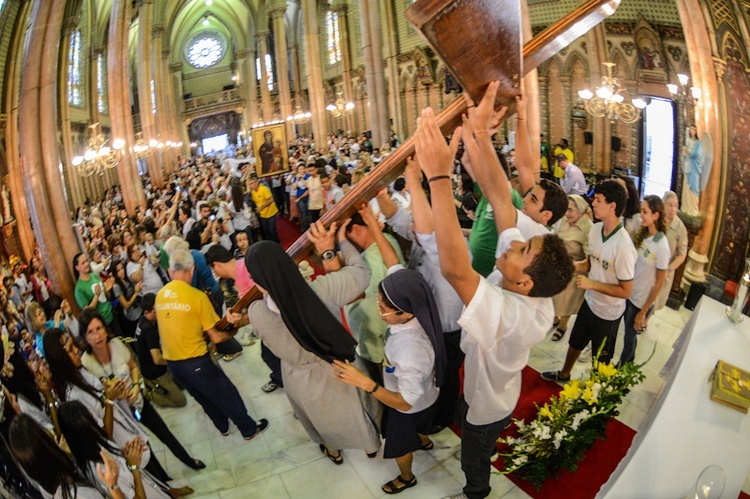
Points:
[(571, 60)]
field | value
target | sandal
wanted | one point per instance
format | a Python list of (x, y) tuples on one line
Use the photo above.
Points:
[(558, 334), (556, 321), (428, 446), (336, 459), (181, 492), (392, 488)]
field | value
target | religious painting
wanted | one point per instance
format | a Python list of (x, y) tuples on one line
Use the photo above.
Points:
[(270, 149), (650, 52)]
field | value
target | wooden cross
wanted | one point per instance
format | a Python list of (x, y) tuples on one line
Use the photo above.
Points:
[(475, 38)]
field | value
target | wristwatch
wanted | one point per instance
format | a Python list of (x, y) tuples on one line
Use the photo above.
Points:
[(328, 255)]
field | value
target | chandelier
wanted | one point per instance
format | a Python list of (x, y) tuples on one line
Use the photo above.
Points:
[(340, 107), (681, 90), (299, 117), (143, 149), (610, 102), (98, 156)]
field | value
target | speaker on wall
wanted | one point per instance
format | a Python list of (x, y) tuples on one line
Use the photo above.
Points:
[(588, 138), (616, 144)]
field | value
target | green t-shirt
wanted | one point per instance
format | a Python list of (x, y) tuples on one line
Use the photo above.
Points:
[(483, 237), (84, 293)]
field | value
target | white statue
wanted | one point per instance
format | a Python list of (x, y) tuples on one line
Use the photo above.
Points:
[(697, 157)]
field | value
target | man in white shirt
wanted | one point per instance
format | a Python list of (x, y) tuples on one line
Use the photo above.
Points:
[(333, 193), (611, 264), (573, 182), (500, 323)]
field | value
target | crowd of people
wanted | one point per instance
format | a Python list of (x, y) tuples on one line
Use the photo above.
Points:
[(452, 266)]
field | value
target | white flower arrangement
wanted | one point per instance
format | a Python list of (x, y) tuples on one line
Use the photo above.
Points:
[(566, 427)]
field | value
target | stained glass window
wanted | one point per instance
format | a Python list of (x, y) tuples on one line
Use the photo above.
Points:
[(101, 83), (2, 4), (75, 88), (153, 97), (334, 37), (269, 70), (205, 51)]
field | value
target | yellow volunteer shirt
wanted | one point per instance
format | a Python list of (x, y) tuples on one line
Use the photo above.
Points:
[(183, 313), (260, 197)]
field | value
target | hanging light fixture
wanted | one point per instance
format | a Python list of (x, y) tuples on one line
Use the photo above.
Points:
[(98, 156), (609, 100), (299, 117), (340, 107)]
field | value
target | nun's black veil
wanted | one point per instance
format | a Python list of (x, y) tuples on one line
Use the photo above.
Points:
[(304, 313), (408, 290)]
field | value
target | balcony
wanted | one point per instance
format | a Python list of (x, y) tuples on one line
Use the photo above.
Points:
[(215, 103)]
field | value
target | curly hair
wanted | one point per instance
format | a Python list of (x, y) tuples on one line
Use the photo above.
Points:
[(613, 192), (552, 268)]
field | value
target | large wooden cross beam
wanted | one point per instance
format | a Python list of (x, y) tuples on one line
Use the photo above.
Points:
[(476, 39)]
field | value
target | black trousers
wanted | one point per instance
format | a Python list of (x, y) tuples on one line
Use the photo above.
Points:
[(273, 363), (446, 402), (151, 420)]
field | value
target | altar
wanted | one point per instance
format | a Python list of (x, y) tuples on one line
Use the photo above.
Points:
[(686, 431)]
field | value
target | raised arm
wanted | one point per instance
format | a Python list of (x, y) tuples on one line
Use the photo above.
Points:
[(390, 258), (436, 160), (487, 169), (420, 206), (527, 163)]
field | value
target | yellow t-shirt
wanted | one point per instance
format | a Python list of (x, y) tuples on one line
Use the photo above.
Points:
[(261, 196), (183, 313)]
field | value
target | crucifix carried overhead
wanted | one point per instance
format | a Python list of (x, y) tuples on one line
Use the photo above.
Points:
[(479, 41)]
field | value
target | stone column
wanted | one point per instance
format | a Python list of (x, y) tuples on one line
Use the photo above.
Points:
[(544, 106), (282, 66), (597, 50), (531, 90), (377, 94), (340, 8), (265, 93), (39, 148), (176, 82), (12, 135), (120, 115), (296, 77), (146, 81), (391, 58), (314, 70), (162, 115), (110, 176), (706, 74), (248, 87), (170, 106), (76, 193)]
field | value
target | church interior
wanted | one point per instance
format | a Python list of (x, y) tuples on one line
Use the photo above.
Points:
[(96, 94)]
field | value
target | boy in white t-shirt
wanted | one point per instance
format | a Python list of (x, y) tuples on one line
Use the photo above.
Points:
[(611, 260), (500, 323)]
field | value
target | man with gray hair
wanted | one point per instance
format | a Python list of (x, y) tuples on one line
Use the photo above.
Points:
[(203, 280), (184, 314)]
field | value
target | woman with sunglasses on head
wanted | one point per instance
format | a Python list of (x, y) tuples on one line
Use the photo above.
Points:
[(109, 359), (72, 382), (414, 365)]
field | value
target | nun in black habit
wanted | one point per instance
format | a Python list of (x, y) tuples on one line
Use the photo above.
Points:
[(299, 323)]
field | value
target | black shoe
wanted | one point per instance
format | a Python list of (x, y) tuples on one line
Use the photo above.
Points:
[(262, 426), (555, 376), (196, 464)]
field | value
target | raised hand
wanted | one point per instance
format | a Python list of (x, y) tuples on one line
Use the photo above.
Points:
[(435, 156), (109, 472), (341, 233), (483, 116), (323, 239)]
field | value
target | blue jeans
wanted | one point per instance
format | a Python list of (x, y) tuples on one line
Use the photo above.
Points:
[(304, 213), (631, 334), (478, 443), (215, 392)]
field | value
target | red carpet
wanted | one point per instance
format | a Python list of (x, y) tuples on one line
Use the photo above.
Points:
[(595, 468), (289, 232)]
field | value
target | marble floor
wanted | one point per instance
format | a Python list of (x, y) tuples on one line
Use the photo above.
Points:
[(284, 463)]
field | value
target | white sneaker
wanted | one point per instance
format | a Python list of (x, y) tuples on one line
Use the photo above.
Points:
[(460, 495), (585, 356)]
